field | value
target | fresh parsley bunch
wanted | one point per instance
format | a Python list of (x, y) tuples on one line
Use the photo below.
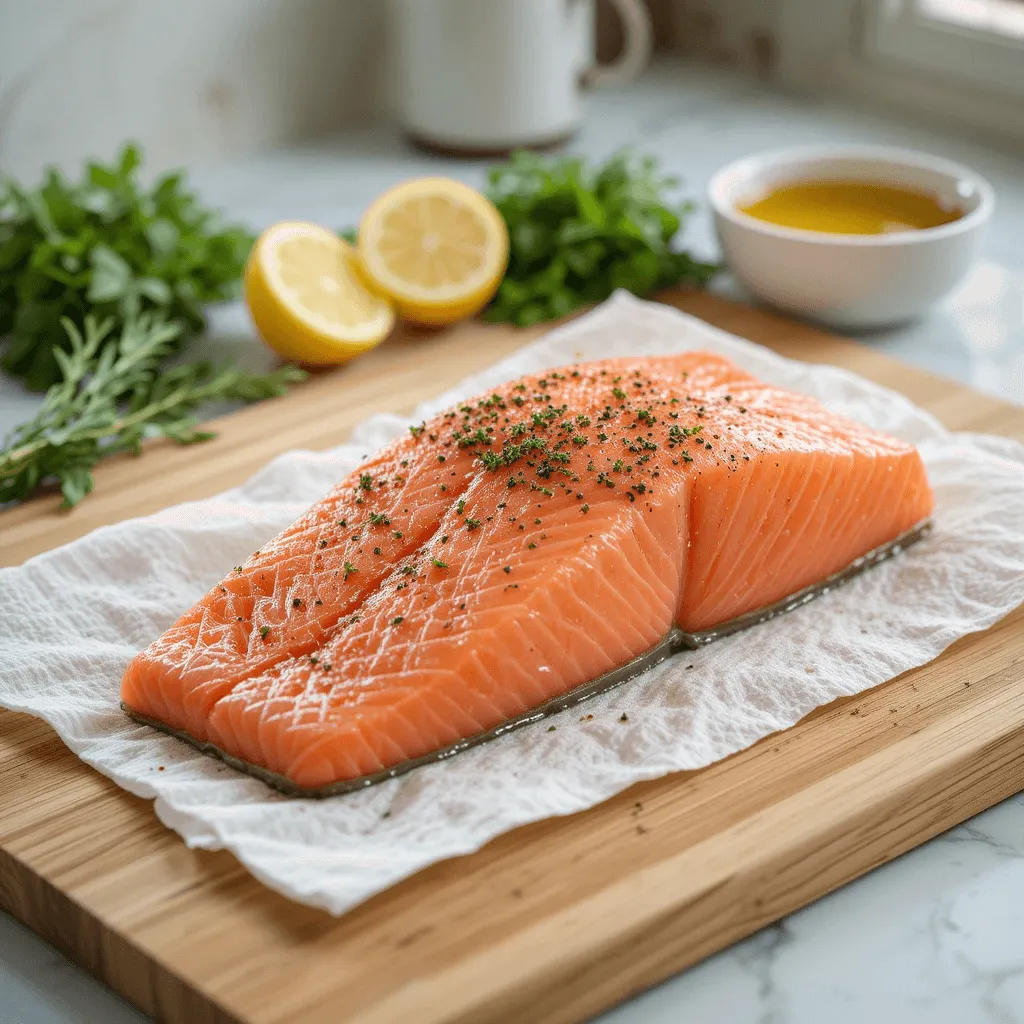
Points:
[(577, 232), (115, 392), (109, 247)]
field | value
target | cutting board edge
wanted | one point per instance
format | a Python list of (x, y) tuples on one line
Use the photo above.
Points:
[(986, 784), (140, 977), (576, 991)]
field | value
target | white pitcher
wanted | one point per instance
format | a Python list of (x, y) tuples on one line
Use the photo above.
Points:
[(485, 76)]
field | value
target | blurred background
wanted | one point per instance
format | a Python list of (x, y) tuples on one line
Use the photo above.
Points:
[(309, 109), (196, 81)]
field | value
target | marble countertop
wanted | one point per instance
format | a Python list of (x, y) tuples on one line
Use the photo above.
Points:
[(937, 935)]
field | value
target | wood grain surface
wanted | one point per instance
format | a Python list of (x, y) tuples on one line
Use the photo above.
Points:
[(552, 922)]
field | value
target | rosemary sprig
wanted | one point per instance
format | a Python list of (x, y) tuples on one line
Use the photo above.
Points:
[(112, 395)]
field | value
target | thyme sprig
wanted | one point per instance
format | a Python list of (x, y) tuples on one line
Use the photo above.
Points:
[(112, 395)]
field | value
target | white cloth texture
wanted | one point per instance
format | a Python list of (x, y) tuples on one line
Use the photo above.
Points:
[(71, 619)]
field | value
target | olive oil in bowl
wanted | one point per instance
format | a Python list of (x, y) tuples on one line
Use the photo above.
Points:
[(850, 208), (849, 236)]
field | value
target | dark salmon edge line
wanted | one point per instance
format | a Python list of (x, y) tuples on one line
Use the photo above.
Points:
[(675, 641)]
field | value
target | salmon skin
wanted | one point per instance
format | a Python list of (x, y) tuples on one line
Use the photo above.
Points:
[(517, 554)]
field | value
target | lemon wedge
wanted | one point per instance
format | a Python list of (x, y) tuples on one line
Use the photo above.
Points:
[(308, 299), (436, 247)]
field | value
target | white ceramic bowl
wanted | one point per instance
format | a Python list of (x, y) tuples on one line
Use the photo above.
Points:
[(849, 280)]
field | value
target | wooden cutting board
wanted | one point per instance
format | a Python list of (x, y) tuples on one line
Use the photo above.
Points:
[(552, 922)]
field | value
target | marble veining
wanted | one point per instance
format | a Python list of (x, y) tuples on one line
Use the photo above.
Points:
[(934, 937)]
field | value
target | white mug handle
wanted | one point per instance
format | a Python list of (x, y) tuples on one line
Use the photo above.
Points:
[(636, 51)]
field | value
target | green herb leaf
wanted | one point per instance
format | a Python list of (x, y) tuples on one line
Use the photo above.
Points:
[(577, 232), (108, 246), (111, 275)]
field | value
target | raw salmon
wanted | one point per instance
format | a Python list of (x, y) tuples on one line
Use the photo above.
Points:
[(513, 548)]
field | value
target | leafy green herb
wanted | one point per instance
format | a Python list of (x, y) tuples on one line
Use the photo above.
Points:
[(577, 232), (112, 395), (109, 247)]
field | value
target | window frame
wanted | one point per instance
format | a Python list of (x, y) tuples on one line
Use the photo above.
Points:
[(897, 33)]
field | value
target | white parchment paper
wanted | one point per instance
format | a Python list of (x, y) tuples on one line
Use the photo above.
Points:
[(71, 619)]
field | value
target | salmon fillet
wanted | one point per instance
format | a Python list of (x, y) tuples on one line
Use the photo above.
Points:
[(515, 547)]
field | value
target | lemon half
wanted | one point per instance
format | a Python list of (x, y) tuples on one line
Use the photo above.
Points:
[(436, 247), (308, 299)]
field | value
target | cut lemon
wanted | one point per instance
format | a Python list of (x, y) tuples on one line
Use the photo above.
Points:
[(438, 248), (308, 299)]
